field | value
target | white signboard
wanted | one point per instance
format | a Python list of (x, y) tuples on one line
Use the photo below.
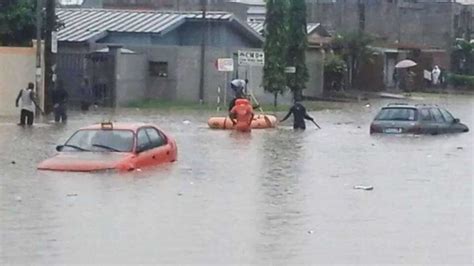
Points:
[(251, 58), (427, 74), (225, 64), (54, 42), (290, 69)]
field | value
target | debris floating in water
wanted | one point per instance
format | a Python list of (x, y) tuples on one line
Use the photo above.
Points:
[(18, 198), (459, 148), (364, 187), (72, 195), (310, 232), (186, 122), (13, 162), (367, 105)]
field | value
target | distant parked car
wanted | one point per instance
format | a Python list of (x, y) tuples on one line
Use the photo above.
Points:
[(402, 118)]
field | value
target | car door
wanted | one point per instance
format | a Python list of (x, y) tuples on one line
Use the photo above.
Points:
[(143, 149), (427, 123), (451, 126), (159, 146), (441, 126)]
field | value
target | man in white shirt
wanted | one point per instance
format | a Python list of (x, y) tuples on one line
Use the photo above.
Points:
[(28, 104), (238, 85)]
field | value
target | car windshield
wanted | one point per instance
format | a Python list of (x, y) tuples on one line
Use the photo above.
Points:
[(101, 140), (397, 114)]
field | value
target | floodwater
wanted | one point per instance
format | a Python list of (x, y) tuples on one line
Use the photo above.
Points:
[(273, 197)]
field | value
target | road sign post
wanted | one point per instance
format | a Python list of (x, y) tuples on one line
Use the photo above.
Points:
[(224, 65)]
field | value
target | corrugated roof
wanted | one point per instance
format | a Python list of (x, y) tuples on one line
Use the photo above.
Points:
[(258, 27), (82, 24)]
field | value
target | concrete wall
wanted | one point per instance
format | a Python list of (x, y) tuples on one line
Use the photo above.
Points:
[(218, 35), (182, 82), (17, 68), (427, 23), (131, 79), (315, 65), (190, 34)]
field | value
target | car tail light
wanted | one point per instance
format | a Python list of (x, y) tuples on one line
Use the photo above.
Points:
[(374, 129)]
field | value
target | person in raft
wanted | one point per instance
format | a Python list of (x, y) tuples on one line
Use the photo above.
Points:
[(299, 115), (242, 115)]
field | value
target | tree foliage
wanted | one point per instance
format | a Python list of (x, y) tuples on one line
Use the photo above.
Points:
[(354, 47), (17, 22), (297, 45), (463, 57), (275, 47), (334, 70)]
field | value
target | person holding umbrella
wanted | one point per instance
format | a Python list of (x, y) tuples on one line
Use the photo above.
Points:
[(406, 75)]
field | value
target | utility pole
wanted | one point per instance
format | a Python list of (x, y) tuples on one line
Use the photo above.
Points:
[(203, 51), (39, 22), (50, 58)]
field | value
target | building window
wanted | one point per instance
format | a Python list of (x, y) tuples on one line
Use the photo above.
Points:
[(158, 69)]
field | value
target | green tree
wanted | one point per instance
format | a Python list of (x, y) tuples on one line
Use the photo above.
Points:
[(275, 47), (354, 47), (297, 45), (334, 70), (463, 57), (17, 22)]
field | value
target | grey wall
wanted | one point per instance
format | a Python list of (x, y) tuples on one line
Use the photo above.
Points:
[(189, 34), (427, 23), (315, 64), (131, 79), (127, 38), (218, 35)]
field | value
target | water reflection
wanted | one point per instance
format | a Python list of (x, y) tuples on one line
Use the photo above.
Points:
[(281, 220)]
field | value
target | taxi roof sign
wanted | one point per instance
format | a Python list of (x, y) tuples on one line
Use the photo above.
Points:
[(106, 125)]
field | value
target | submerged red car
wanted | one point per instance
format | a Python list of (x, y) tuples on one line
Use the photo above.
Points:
[(113, 146)]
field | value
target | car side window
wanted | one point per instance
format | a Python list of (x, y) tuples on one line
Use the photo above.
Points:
[(157, 139), (425, 115), (437, 115), (143, 141), (447, 116)]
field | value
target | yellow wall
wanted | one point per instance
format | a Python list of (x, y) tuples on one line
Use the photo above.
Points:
[(17, 68)]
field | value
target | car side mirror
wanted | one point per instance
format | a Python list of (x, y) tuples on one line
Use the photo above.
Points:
[(59, 148), (456, 120)]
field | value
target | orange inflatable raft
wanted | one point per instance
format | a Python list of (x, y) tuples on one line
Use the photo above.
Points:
[(258, 122)]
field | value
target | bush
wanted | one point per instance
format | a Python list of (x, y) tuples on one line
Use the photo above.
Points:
[(334, 71), (461, 81)]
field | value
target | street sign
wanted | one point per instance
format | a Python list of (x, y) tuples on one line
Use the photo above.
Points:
[(225, 64), (246, 57), (54, 42)]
